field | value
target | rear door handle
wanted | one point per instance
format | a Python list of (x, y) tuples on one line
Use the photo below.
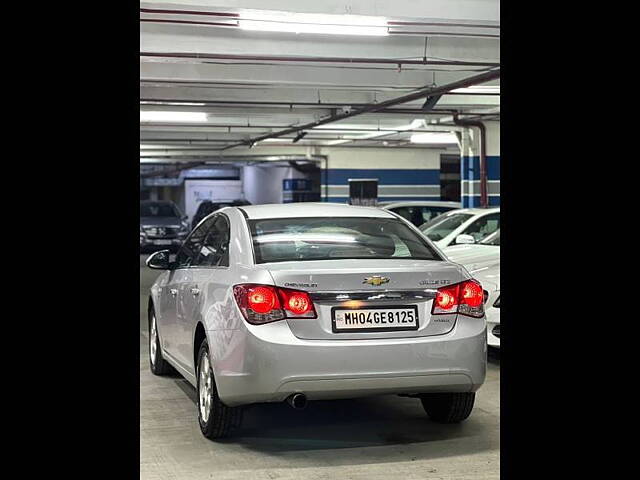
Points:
[(173, 291), (195, 291)]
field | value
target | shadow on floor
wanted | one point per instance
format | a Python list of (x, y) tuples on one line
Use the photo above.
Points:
[(276, 428), (493, 356)]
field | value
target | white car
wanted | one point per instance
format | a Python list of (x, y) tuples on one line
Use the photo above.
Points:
[(489, 277), (482, 260), (267, 303), (419, 212), (466, 225)]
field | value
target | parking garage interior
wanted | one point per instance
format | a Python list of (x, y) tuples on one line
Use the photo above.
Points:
[(281, 101)]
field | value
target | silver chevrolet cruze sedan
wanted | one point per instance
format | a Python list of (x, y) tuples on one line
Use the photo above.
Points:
[(298, 302)]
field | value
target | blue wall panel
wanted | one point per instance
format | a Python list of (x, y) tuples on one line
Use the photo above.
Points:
[(471, 168)]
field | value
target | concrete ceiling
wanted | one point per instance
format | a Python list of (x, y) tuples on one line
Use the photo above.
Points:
[(195, 58)]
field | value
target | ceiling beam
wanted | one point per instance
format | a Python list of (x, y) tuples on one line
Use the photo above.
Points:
[(428, 91)]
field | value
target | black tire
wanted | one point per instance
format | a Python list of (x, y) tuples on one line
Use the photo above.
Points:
[(159, 366), (220, 418), (448, 407)]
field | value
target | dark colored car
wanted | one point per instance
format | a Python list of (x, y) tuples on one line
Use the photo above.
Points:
[(207, 206), (162, 225)]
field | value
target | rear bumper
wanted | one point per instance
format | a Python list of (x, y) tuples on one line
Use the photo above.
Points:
[(267, 363)]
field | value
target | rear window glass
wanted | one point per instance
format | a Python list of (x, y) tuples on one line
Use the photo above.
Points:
[(323, 238), (441, 226), (418, 215)]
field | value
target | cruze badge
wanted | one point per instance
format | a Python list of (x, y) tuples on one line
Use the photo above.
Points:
[(435, 282), (376, 280)]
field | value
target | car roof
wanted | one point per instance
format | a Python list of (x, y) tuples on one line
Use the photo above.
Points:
[(312, 209), (475, 211), (425, 203)]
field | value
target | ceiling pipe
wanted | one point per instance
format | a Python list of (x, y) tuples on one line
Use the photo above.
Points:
[(173, 171), (424, 92), (430, 102), (484, 201), (283, 104), (299, 58)]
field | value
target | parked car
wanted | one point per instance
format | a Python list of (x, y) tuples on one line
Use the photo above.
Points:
[(162, 225), (419, 212), (464, 226), (482, 260), (485, 253), (298, 302), (489, 277), (207, 206)]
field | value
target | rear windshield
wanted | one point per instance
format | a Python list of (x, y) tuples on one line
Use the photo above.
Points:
[(325, 238), (418, 215), (440, 227)]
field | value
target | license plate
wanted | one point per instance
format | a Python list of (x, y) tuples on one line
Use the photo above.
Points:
[(387, 318), (162, 242)]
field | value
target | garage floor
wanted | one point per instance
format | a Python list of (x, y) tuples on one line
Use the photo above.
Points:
[(373, 438)]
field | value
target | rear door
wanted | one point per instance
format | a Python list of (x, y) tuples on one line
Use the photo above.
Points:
[(180, 277), (208, 270)]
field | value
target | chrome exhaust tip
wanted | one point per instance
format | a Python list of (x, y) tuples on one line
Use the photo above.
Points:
[(297, 401)]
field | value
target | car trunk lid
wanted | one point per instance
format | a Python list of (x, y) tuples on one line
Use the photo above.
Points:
[(374, 284)]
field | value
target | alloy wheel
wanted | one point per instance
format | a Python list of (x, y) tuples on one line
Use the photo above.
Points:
[(153, 340), (205, 387)]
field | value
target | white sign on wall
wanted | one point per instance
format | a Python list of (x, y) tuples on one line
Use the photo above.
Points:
[(196, 191)]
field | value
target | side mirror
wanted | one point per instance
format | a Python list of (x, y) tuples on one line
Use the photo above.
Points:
[(159, 260), (185, 217), (465, 239)]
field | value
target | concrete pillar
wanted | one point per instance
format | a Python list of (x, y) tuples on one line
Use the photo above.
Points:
[(470, 164)]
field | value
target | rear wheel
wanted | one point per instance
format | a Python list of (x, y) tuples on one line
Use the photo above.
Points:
[(448, 407), (159, 365), (215, 418)]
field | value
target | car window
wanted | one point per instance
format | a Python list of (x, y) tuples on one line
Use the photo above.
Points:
[(492, 239), (483, 226), (419, 215), (214, 250), (441, 226), (429, 213), (190, 249), (325, 238), (404, 212)]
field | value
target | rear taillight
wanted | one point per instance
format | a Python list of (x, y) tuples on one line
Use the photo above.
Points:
[(265, 303), (465, 298)]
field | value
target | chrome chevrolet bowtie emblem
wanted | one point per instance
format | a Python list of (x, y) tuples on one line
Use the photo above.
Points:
[(376, 280)]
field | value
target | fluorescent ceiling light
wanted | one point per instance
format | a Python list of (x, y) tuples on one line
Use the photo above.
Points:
[(416, 123), (314, 23), (163, 116), (479, 89), (434, 137)]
